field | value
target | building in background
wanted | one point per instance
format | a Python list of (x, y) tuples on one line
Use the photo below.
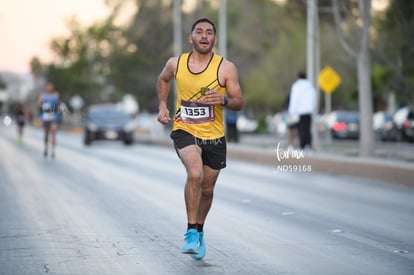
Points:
[(15, 88)]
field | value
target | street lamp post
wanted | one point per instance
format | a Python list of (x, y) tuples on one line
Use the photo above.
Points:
[(223, 28)]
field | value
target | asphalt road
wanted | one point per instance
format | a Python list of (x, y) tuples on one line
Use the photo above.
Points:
[(113, 209)]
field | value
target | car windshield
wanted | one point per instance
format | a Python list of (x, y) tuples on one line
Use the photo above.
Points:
[(388, 117), (348, 116), (108, 115)]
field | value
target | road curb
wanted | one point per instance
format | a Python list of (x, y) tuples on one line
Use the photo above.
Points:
[(387, 171), (370, 168)]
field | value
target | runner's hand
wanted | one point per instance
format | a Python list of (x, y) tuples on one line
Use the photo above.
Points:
[(213, 98), (164, 116)]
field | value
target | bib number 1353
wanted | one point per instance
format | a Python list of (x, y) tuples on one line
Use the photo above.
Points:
[(196, 112)]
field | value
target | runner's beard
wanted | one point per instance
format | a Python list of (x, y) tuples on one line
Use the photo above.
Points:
[(203, 50)]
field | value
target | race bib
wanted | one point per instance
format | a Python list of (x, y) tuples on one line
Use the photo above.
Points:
[(48, 116), (46, 107), (196, 112)]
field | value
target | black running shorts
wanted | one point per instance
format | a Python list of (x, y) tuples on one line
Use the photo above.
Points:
[(46, 124), (213, 151)]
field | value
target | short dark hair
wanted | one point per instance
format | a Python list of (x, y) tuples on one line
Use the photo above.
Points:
[(302, 75), (203, 20)]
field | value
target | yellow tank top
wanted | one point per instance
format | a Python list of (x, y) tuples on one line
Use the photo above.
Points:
[(190, 88)]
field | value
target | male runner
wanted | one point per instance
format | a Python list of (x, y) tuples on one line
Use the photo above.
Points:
[(48, 102), (21, 121), (206, 83)]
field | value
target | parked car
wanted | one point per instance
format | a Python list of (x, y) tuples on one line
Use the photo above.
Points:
[(401, 126), (343, 124), (384, 127), (108, 122), (277, 123), (245, 124)]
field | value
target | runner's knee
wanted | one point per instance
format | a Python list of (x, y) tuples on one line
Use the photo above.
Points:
[(195, 175), (207, 191)]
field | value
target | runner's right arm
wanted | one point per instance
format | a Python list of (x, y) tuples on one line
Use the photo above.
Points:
[(40, 101), (163, 89)]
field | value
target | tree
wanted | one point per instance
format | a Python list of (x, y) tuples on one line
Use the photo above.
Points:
[(362, 56), (268, 48), (38, 70), (266, 41), (148, 39), (82, 66), (394, 54), (3, 84)]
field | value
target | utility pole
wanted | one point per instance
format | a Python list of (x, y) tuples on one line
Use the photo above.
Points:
[(177, 27), (177, 34), (310, 50), (223, 28), (313, 61), (223, 39)]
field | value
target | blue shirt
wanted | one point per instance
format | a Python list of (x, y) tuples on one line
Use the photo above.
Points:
[(50, 107)]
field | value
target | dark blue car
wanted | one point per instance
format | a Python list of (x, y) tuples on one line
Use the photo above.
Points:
[(108, 122)]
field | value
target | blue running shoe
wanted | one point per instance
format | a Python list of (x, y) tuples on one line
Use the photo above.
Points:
[(190, 242), (201, 247)]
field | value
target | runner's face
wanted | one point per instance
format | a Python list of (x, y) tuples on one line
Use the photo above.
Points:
[(203, 37), (49, 88)]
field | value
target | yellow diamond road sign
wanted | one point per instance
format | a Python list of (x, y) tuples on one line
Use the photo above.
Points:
[(329, 80)]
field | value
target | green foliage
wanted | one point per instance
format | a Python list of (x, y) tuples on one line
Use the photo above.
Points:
[(266, 41), (395, 49), (380, 78), (270, 58), (333, 55), (136, 72), (261, 124), (36, 66), (3, 84)]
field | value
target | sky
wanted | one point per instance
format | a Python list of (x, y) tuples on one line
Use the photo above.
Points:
[(26, 27)]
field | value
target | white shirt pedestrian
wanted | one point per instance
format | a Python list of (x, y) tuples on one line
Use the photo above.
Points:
[(302, 98)]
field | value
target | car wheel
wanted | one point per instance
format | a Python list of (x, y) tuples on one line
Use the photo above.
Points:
[(334, 135), (87, 140), (128, 141), (399, 136)]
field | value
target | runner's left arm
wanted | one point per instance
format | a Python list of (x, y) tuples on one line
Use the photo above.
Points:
[(228, 75), (234, 92)]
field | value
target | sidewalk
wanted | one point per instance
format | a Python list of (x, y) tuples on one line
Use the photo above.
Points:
[(296, 162), (256, 149)]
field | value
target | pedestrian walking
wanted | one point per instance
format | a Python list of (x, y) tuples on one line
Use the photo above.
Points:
[(292, 122), (302, 103)]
